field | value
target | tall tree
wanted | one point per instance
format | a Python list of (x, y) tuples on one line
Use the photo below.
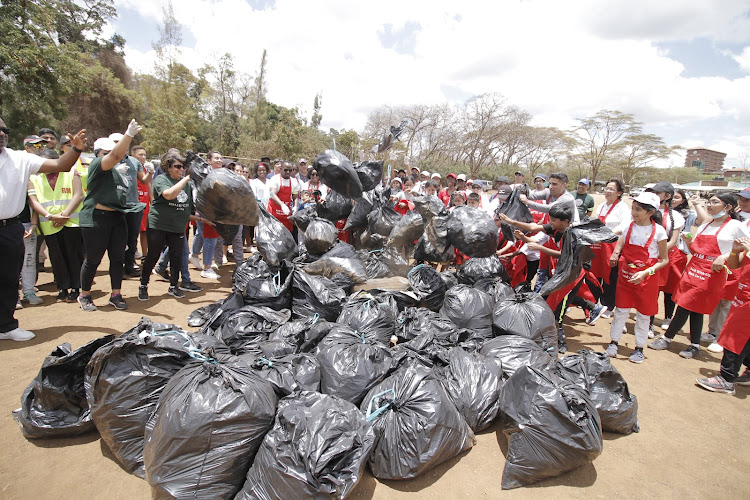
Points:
[(317, 117)]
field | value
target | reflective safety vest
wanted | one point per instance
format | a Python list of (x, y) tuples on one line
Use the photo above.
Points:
[(55, 201), (84, 171)]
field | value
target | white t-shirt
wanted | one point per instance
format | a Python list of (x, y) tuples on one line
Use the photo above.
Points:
[(619, 215), (15, 169), (275, 183), (732, 231), (640, 235), (260, 189), (320, 187), (679, 220)]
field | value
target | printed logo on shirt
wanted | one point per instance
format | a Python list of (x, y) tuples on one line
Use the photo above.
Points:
[(182, 197)]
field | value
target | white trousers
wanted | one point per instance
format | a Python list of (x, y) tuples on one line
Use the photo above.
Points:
[(620, 316)]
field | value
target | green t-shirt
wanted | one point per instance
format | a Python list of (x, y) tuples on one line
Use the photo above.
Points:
[(170, 215), (584, 203), (107, 188)]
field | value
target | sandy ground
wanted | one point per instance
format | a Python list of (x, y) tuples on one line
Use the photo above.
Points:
[(689, 445)]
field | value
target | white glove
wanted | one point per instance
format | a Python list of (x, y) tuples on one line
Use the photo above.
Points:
[(133, 128), (149, 167), (285, 209)]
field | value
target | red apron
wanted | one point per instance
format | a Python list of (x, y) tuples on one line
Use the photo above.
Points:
[(285, 195), (144, 197), (517, 265), (733, 281), (644, 296), (670, 275), (735, 332), (603, 251), (700, 288), (545, 261)]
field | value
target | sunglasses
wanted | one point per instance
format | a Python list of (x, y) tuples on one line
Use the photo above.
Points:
[(5, 130), (287, 170), (181, 167)]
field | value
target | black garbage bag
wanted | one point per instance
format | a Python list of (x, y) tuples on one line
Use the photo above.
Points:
[(407, 230), (274, 241), (351, 363), (370, 174), (375, 317), (417, 426), (222, 196), (526, 315), (516, 210), (372, 241), (607, 389), (320, 236), (382, 220), (212, 316), (473, 382), (430, 207), (551, 425), (124, 380), (337, 172), (362, 207), (335, 207), (209, 423), (317, 448), (316, 295), (415, 321), (403, 299), (594, 231), (54, 404), (515, 351), (248, 326), (469, 308), (263, 285), (289, 373), (342, 258), (389, 138), (478, 268), (426, 251), (226, 231), (496, 287), (427, 284), (301, 218), (387, 262), (303, 333), (344, 281), (473, 232)]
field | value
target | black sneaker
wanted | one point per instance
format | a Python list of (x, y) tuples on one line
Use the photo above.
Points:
[(164, 273), (62, 296), (132, 271), (562, 346), (175, 292), (189, 286), (118, 302), (143, 292), (73, 295)]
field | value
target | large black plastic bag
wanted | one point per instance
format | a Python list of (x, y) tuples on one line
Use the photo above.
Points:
[(370, 174), (316, 295), (303, 333), (473, 382), (124, 380), (351, 363), (551, 425), (342, 258), (289, 373), (515, 351), (416, 424), (407, 230), (264, 285), (337, 172), (496, 287), (372, 241), (594, 231), (415, 321), (362, 207), (54, 404), (385, 262), (389, 137), (403, 299), (478, 268), (209, 422), (335, 207), (222, 195), (430, 207), (320, 236), (526, 315), (317, 448), (516, 210), (382, 220), (427, 284), (473, 232), (375, 317), (212, 316), (301, 218), (607, 389), (248, 326), (274, 241), (469, 308), (426, 251)]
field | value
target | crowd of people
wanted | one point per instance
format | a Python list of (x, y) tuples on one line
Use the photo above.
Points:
[(690, 250)]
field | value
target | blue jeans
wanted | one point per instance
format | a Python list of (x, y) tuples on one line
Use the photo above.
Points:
[(184, 271), (198, 240), (209, 245), (542, 275)]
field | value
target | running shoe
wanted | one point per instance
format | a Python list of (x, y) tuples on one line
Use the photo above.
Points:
[(716, 384), (665, 324), (708, 337), (596, 313), (612, 349), (62, 296), (175, 292), (210, 274), (743, 379), (690, 352), (143, 293), (189, 286), (162, 273), (660, 344), (73, 295), (32, 299), (17, 334), (118, 302), (637, 356), (715, 347), (196, 262), (86, 303)]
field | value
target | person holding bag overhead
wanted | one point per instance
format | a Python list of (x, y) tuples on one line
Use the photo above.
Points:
[(640, 253), (702, 284)]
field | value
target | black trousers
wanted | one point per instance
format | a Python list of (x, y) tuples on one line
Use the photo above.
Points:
[(531, 268), (66, 256), (133, 220), (678, 321), (157, 240), (109, 234), (572, 299), (608, 291), (732, 362), (12, 251)]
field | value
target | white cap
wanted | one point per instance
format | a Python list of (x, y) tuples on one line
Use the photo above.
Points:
[(425, 172), (647, 198), (104, 143), (461, 177), (436, 174), (470, 181), (117, 137)]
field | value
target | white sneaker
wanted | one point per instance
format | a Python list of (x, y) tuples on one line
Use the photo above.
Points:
[(624, 329), (714, 347), (18, 304), (210, 274), (651, 332), (666, 323), (196, 262), (607, 314), (224, 260), (19, 335), (215, 266)]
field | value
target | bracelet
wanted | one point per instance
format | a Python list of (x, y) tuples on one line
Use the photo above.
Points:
[(79, 151), (733, 253), (651, 271)]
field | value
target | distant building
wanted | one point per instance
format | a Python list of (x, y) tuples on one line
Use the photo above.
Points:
[(706, 160), (736, 174)]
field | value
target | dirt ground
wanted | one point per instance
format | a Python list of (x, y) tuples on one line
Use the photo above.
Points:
[(682, 451)]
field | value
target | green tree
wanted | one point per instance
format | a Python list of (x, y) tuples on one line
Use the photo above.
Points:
[(317, 117)]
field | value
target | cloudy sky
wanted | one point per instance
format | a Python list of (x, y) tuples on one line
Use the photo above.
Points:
[(681, 67)]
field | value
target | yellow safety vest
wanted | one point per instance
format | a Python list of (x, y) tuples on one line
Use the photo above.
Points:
[(55, 201), (84, 171)]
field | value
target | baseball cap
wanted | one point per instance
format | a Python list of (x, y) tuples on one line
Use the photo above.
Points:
[(661, 187), (648, 198), (397, 179), (425, 172), (518, 172), (461, 177), (451, 175), (437, 174), (401, 170), (540, 176), (745, 193), (470, 182), (32, 139), (504, 191), (302, 160), (64, 140), (503, 178), (104, 143), (46, 130), (584, 181), (116, 136)]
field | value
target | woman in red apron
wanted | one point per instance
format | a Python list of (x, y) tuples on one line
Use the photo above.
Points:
[(735, 335), (702, 284), (640, 253)]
